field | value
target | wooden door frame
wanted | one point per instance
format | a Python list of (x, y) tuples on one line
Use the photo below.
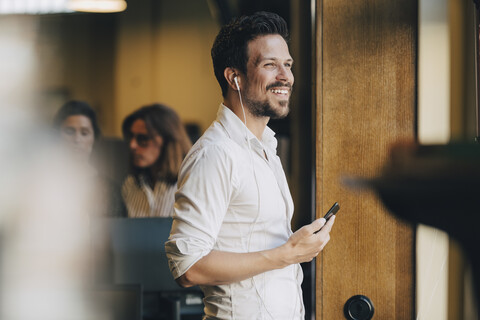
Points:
[(398, 301)]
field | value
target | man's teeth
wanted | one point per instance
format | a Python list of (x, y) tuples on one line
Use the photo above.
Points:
[(279, 91)]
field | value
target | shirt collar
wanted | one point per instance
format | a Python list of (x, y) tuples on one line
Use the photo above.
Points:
[(236, 129)]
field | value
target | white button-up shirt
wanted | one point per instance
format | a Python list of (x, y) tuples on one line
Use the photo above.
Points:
[(233, 196)]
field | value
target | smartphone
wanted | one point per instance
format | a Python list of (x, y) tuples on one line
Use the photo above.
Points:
[(333, 210)]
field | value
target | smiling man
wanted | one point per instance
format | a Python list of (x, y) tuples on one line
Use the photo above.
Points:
[(232, 224)]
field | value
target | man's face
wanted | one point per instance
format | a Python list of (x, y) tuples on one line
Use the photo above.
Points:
[(269, 77), (144, 148)]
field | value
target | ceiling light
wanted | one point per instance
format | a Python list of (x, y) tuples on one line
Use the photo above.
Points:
[(97, 5)]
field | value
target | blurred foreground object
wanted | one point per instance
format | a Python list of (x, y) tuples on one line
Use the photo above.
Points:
[(45, 267), (436, 185)]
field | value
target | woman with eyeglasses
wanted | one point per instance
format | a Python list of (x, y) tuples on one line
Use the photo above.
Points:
[(76, 124), (158, 142)]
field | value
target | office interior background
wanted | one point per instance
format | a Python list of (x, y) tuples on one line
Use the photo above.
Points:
[(159, 51)]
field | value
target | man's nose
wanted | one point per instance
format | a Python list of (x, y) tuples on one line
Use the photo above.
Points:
[(285, 74)]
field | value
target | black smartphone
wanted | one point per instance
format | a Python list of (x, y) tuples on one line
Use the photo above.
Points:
[(333, 210)]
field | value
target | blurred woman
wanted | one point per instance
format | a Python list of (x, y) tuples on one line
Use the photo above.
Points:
[(158, 142), (77, 126)]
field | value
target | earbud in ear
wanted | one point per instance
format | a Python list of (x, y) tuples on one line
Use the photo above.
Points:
[(236, 83)]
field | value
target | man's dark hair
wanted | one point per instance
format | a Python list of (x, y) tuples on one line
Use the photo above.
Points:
[(231, 44), (77, 108), (165, 122)]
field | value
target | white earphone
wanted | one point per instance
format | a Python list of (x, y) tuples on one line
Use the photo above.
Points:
[(235, 79), (236, 83)]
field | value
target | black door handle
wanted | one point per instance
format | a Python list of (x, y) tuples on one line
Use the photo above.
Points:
[(358, 308)]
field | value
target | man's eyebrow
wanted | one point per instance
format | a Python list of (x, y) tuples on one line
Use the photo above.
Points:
[(260, 59)]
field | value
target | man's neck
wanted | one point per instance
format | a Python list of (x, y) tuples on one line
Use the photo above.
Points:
[(255, 124)]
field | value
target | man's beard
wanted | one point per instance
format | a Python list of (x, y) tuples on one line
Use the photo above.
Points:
[(264, 109)]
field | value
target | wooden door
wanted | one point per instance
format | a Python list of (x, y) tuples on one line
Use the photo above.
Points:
[(366, 97)]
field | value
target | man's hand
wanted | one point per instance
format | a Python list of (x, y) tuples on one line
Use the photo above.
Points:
[(219, 267), (307, 242)]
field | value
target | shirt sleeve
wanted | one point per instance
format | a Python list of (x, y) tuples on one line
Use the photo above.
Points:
[(205, 186)]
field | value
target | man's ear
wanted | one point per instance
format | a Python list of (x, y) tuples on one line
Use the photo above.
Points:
[(230, 74)]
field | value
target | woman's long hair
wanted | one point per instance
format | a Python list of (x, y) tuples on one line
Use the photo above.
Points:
[(165, 122)]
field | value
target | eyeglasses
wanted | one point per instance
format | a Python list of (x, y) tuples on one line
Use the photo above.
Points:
[(142, 139)]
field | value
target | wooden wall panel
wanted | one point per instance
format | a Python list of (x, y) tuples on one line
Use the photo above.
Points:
[(366, 97)]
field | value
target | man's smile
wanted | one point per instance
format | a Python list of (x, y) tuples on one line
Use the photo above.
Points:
[(280, 91)]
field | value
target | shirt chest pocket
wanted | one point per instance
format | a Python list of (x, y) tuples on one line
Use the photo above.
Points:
[(272, 203), (257, 215), (259, 194)]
